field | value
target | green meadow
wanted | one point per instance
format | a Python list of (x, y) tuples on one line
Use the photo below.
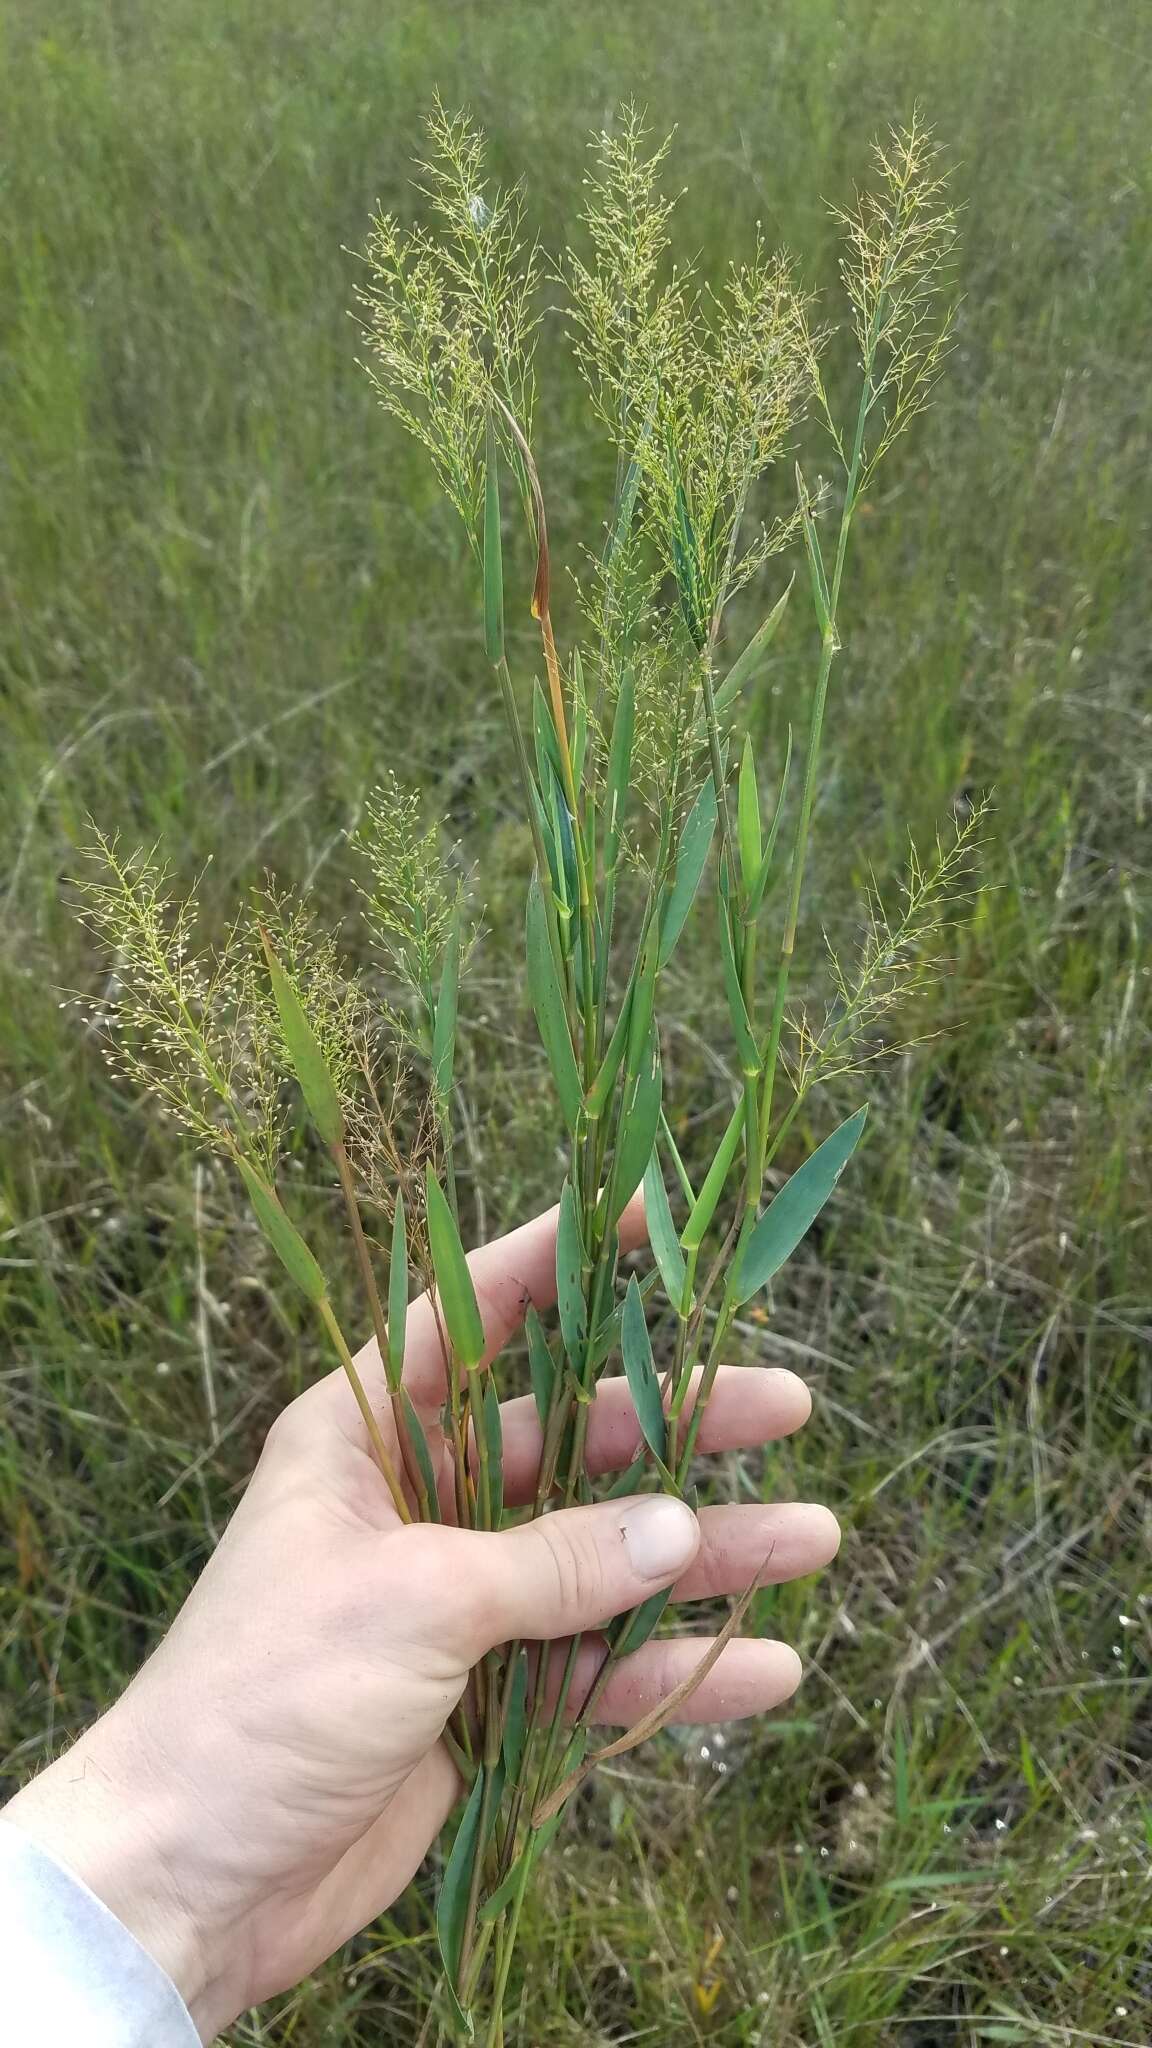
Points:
[(230, 596)]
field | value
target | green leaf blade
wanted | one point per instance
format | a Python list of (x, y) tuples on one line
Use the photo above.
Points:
[(633, 1631), (397, 1295), (748, 829), (640, 1371), (548, 1004), (422, 1454), (704, 1208), (746, 664), (570, 1297), (639, 1123), (692, 858), (541, 1366), (283, 1236), (453, 1280), (303, 1048), (662, 1233), (791, 1215)]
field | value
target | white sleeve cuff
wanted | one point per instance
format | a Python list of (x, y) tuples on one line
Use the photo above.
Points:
[(71, 1975)]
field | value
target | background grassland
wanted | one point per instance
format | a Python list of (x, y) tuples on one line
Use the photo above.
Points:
[(230, 595)]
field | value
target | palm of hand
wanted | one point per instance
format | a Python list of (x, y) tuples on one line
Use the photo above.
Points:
[(298, 1703)]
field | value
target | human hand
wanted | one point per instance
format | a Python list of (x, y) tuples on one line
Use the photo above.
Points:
[(274, 1775)]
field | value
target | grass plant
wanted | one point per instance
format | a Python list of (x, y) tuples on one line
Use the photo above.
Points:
[(633, 759), (230, 595)]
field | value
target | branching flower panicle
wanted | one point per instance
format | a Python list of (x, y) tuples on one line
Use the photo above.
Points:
[(184, 1024), (897, 959), (701, 390), (897, 273), (449, 320), (413, 894), (642, 792)]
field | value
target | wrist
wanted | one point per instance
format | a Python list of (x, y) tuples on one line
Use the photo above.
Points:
[(126, 1835)]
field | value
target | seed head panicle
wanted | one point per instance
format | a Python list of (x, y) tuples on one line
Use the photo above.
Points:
[(896, 960), (898, 273), (391, 1132), (411, 897), (189, 1026), (452, 318), (701, 388)]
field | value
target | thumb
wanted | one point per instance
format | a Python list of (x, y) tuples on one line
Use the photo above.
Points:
[(574, 1569)]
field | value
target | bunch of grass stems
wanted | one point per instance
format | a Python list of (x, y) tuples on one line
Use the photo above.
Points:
[(616, 870)]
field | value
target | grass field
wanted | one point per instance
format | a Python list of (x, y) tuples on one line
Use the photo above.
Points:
[(230, 594)]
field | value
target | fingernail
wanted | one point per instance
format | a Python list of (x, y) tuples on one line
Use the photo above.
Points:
[(660, 1535)]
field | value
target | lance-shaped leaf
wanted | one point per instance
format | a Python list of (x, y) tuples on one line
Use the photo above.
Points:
[(397, 1295), (570, 1298), (493, 555), (820, 596), (452, 1899), (619, 767), (640, 1122), (534, 1848), (643, 999), (455, 1885), (691, 859), (453, 1280), (746, 664), (563, 906), (564, 837), (544, 736), (282, 1234), (628, 1481), (609, 1067), (303, 1048), (640, 1369), (444, 1029), (704, 1208), (541, 1366), (548, 1004), (662, 1235), (422, 1454), (748, 831), (632, 1631), (516, 1720), (607, 1338), (742, 1030), (787, 1219)]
